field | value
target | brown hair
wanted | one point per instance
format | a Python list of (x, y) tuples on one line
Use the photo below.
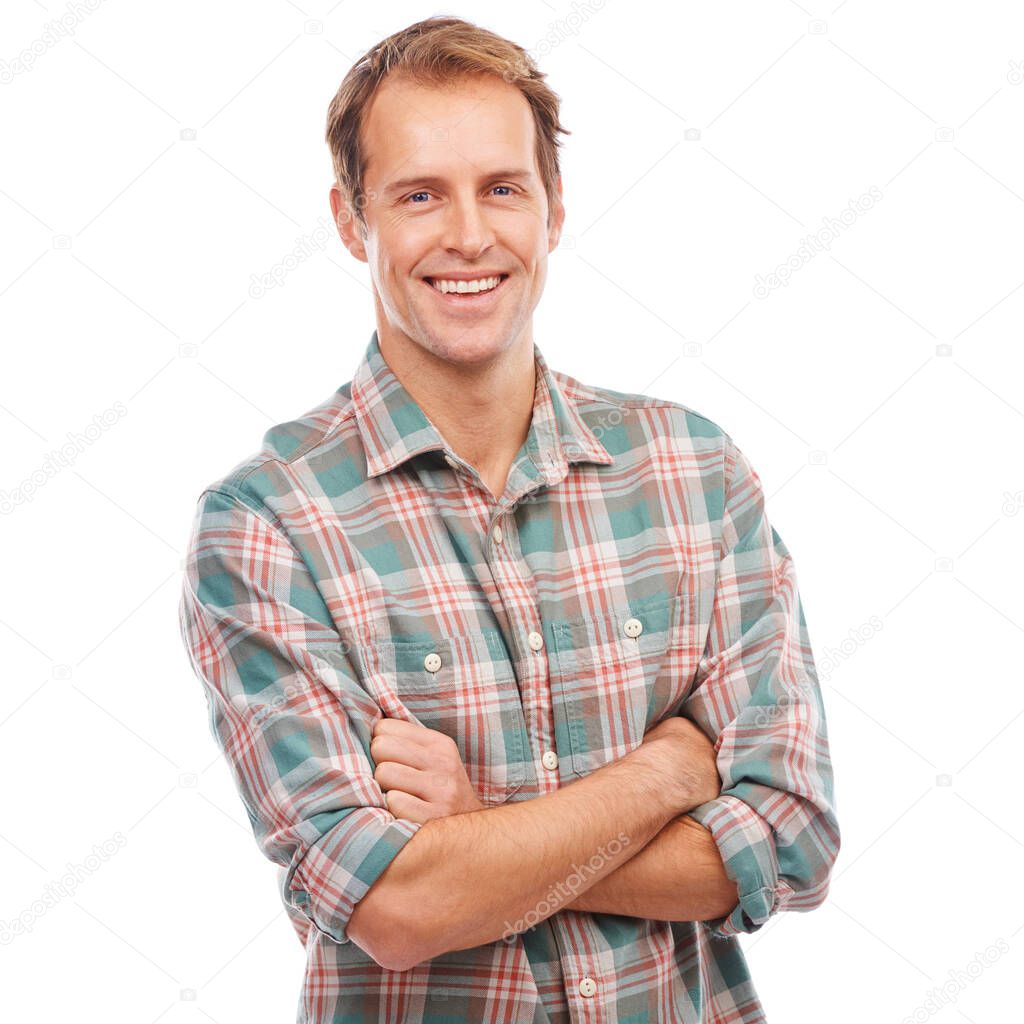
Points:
[(437, 51)]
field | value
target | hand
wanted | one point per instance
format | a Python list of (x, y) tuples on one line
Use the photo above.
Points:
[(692, 758), (420, 771)]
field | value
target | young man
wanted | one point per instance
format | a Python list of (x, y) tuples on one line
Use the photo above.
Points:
[(511, 672)]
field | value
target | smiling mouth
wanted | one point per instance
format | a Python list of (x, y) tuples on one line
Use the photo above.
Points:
[(466, 297)]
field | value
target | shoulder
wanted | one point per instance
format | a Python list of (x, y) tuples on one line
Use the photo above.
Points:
[(650, 418), (271, 471)]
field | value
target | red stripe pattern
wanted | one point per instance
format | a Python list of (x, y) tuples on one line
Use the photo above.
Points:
[(635, 576)]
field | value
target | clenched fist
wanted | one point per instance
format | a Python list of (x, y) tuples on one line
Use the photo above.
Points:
[(420, 771)]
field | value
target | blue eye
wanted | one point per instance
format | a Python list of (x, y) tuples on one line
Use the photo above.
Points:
[(509, 189)]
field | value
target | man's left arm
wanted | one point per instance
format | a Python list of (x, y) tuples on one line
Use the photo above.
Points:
[(767, 843)]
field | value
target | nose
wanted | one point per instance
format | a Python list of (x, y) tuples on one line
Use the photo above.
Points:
[(467, 229)]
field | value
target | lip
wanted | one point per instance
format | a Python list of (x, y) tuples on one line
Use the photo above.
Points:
[(468, 301)]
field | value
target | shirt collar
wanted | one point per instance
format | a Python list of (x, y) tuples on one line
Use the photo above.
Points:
[(394, 428)]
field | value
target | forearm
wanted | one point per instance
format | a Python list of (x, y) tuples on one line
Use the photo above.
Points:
[(468, 879), (677, 876)]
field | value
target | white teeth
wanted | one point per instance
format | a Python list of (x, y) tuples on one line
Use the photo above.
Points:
[(483, 284)]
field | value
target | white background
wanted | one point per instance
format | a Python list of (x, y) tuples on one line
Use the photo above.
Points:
[(878, 394)]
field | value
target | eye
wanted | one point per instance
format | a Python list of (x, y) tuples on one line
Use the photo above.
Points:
[(413, 196), (509, 188)]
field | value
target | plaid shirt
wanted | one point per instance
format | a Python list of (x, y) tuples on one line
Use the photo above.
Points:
[(356, 567)]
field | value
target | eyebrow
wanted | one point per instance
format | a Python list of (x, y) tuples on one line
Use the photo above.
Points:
[(433, 179)]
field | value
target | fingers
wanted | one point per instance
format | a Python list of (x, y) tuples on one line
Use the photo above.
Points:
[(405, 805), (422, 765), (410, 732), (393, 775), (405, 742), (401, 751)]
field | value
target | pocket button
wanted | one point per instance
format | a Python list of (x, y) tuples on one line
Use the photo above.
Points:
[(464, 687), (605, 680), (632, 627)]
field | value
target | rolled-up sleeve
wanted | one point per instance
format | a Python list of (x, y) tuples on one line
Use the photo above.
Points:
[(286, 710), (756, 694)]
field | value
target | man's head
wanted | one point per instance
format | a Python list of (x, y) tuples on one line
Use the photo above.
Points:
[(444, 141)]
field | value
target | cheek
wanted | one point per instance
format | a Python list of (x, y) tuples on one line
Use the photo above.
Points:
[(400, 257), (531, 244), (538, 257), (389, 267)]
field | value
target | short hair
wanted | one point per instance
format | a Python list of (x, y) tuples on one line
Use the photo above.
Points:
[(438, 51)]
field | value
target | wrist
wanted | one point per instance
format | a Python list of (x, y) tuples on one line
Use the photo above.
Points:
[(663, 785)]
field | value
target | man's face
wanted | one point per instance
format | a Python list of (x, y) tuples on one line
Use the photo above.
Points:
[(454, 192)]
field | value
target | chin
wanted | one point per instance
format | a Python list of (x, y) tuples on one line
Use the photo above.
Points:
[(467, 346)]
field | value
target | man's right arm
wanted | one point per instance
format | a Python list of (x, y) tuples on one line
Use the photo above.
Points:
[(286, 709), (469, 879)]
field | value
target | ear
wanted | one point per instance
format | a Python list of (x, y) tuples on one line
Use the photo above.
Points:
[(349, 227), (556, 218)]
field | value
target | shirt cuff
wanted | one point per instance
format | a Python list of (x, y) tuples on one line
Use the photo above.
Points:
[(339, 867), (747, 847)]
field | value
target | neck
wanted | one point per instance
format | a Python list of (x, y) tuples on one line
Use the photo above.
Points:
[(482, 410)]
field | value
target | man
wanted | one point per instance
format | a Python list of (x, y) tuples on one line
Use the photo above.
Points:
[(511, 672)]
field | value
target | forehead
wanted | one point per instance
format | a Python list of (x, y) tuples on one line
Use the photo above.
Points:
[(468, 124)]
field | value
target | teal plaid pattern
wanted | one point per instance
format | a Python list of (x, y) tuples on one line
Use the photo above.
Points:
[(324, 570)]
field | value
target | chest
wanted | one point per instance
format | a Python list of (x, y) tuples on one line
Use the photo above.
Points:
[(545, 637)]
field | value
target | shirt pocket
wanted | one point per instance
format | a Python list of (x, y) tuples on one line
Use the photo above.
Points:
[(464, 687), (618, 674)]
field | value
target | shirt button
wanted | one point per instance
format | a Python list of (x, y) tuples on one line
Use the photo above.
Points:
[(588, 987), (550, 759), (497, 534), (632, 627), (432, 662), (535, 640), (451, 462)]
